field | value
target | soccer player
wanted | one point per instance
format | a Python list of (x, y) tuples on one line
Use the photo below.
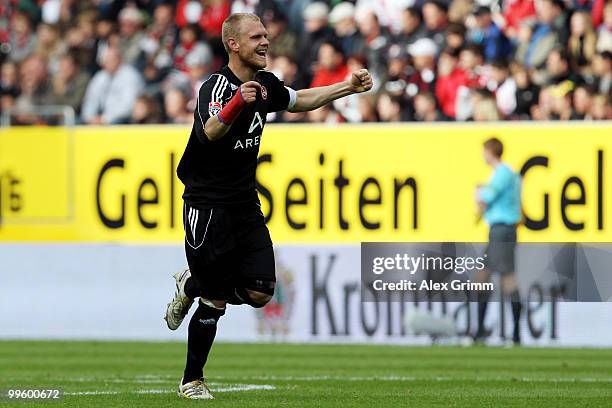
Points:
[(227, 244), (500, 202)]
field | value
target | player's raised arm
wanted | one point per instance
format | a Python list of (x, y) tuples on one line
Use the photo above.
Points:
[(313, 98), (218, 124)]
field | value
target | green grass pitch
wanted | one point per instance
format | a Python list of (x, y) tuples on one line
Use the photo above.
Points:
[(130, 374)]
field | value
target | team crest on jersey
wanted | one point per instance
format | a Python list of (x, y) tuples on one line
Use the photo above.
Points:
[(264, 93), (214, 108)]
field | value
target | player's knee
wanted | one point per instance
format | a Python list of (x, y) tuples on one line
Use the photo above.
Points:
[(215, 304), (258, 299)]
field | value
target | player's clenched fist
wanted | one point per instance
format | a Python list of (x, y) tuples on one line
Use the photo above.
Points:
[(249, 90), (361, 81)]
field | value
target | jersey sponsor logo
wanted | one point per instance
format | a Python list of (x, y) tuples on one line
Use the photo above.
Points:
[(264, 93), (247, 143), (256, 122), (214, 108)]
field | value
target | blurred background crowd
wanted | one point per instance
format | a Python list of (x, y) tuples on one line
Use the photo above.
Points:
[(143, 61)]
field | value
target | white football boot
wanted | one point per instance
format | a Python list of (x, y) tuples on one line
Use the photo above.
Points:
[(194, 390), (179, 305)]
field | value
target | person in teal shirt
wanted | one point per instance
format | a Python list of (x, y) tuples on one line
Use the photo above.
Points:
[(499, 202)]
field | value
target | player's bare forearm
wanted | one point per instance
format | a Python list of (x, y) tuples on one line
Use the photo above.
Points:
[(313, 98), (214, 129)]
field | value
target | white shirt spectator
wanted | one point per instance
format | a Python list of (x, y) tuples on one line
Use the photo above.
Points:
[(112, 96), (505, 96)]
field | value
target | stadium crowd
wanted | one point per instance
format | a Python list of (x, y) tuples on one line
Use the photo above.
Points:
[(142, 61)]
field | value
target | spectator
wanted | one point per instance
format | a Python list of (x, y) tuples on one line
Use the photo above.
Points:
[(423, 53), (286, 69), (526, 92), (601, 109), (471, 60), (398, 72), (450, 78), (145, 111), (582, 41), (435, 15), (57, 44), (514, 13), (485, 109), (487, 34), (543, 109), (188, 41), (582, 101), (455, 36), (504, 87), (9, 87), (425, 108), (159, 41), (130, 35), (342, 19), (209, 16), (49, 46), (601, 68), (81, 41), (389, 109), (282, 41), (412, 28), (112, 91), (22, 40), (316, 33), (604, 32), (558, 68), (9, 79), (561, 96), (69, 83), (175, 106), (34, 84), (330, 66), (349, 107), (376, 43), (545, 35)]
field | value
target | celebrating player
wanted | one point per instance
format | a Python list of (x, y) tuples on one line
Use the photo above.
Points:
[(227, 244)]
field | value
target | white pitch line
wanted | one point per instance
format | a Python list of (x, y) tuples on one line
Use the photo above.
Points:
[(228, 388), (413, 378), (231, 388), (80, 393)]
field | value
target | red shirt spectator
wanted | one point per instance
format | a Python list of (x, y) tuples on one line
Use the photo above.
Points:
[(450, 78), (331, 67), (515, 12), (208, 14)]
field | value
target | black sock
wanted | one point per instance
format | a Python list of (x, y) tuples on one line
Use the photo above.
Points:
[(483, 301), (191, 288), (201, 334), (515, 299)]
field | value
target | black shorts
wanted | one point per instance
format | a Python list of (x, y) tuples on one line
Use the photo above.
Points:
[(499, 255), (228, 248)]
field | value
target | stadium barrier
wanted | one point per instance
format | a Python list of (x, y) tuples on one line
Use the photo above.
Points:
[(318, 184), (93, 217)]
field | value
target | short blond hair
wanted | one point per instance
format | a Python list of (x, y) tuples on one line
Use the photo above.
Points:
[(231, 27)]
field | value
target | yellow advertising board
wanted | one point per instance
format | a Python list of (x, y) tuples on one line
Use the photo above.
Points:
[(342, 184)]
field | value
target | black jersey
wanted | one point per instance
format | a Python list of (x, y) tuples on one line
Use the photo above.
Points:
[(222, 172)]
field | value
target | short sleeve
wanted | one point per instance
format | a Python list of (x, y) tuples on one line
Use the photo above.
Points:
[(212, 96), (278, 94)]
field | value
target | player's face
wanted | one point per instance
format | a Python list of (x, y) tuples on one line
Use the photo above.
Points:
[(254, 44)]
